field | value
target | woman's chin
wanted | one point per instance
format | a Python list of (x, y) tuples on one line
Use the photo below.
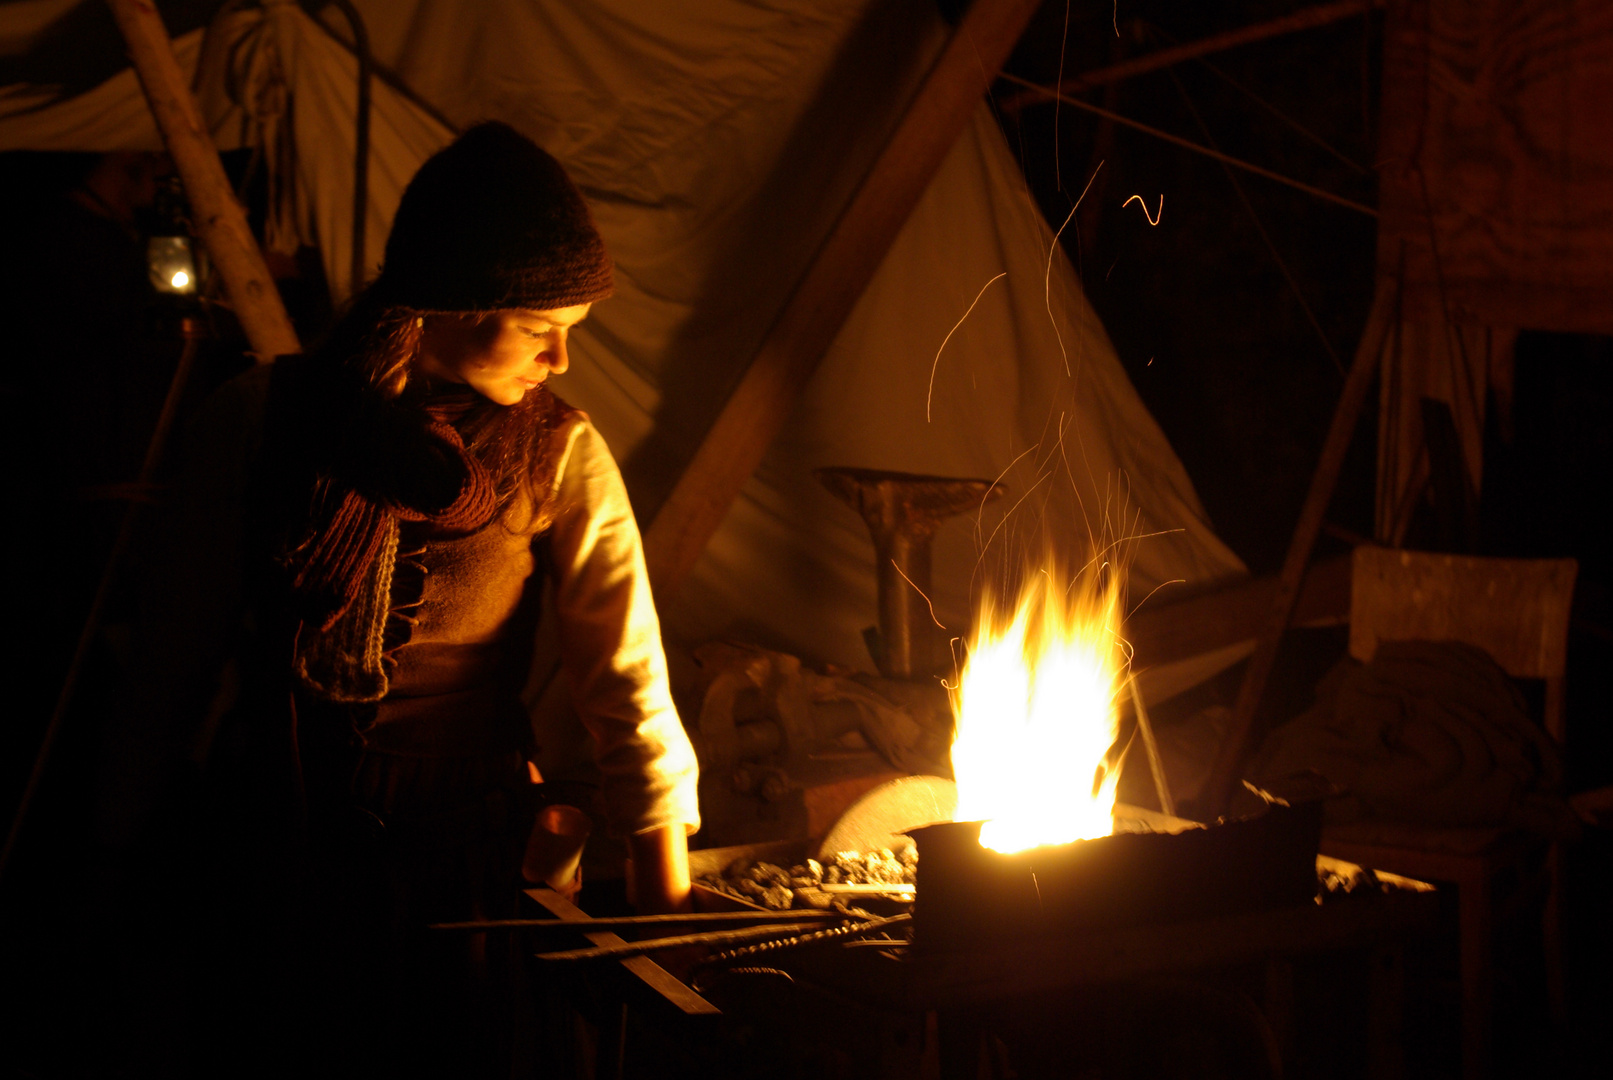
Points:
[(505, 395)]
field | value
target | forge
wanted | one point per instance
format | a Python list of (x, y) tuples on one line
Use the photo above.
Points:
[(1151, 870)]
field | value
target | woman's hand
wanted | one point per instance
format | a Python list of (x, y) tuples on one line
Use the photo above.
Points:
[(659, 880)]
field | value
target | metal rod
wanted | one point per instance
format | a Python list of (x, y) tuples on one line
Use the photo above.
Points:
[(647, 971), (627, 921), (1186, 144), (190, 328), (1307, 19), (710, 937), (361, 141), (869, 889), (834, 934)]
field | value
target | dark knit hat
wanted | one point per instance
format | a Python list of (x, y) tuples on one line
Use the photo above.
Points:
[(493, 222)]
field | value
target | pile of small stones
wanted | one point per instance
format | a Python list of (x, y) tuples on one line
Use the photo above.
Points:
[(801, 885)]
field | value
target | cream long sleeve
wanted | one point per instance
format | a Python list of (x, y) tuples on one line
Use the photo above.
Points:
[(610, 644)]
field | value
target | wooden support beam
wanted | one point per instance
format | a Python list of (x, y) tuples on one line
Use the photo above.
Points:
[(1164, 633), (844, 265), (1224, 773), (217, 217), (1306, 19)]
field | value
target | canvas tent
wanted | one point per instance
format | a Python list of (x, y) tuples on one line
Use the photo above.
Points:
[(1497, 212), (718, 142)]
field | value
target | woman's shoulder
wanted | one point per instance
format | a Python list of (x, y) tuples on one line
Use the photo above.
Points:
[(563, 423), (558, 412)]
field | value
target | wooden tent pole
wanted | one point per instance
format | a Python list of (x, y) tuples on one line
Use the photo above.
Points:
[(844, 265), (216, 215), (1224, 773)]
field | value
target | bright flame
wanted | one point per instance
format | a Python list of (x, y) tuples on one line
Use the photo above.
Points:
[(1036, 714), (180, 279)]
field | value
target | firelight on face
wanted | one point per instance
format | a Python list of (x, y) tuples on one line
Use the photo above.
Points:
[(502, 355)]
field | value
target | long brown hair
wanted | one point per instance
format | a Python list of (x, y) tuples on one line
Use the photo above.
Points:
[(379, 343)]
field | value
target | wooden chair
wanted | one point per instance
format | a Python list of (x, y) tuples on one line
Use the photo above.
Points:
[(1516, 610)]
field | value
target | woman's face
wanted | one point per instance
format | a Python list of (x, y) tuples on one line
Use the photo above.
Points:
[(501, 356)]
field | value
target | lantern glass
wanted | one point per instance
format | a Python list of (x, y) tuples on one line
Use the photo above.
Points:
[(171, 265)]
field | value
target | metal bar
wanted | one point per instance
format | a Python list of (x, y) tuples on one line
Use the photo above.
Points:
[(745, 935), (218, 217), (1307, 19), (190, 328), (868, 889), (1185, 144), (653, 975), (621, 922), (837, 933)]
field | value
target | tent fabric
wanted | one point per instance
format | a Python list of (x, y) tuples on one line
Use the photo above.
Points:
[(717, 142), (1496, 202), (271, 78), (1497, 143)]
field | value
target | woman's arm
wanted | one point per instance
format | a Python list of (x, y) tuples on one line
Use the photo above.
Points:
[(611, 648), (660, 870)]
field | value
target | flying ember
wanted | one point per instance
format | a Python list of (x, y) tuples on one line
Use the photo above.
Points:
[(1036, 712)]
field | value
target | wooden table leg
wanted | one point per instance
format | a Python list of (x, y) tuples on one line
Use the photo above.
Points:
[(1386, 1013), (1475, 930)]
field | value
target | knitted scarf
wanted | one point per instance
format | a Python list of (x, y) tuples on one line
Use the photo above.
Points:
[(382, 463)]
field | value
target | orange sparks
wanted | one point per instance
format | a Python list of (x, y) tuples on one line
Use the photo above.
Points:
[(1153, 219), (937, 362)]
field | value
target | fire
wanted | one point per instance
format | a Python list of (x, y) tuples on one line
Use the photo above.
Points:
[(1036, 715)]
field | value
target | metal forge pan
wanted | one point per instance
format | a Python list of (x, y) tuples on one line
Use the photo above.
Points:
[(967, 893)]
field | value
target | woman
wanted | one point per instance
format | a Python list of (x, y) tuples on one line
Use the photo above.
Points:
[(415, 487)]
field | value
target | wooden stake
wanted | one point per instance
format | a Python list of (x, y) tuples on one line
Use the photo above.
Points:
[(1224, 773), (845, 264), (218, 218)]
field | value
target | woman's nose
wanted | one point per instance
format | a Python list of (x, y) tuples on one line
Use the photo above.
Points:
[(555, 356)]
